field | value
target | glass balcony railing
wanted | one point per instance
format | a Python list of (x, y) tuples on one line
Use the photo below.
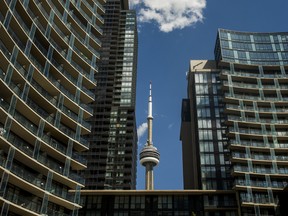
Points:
[(61, 192), (86, 4), (258, 109), (256, 75), (258, 132), (263, 183), (1, 17), (261, 170), (25, 122), (99, 5), (258, 199), (41, 8), (77, 20), (80, 69), (16, 38), (58, 30), (4, 49), (100, 18), (4, 104), (33, 128), (27, 176), (255, 86), (260, 120), (24, 201), (252, 156), (40, 47), (83, 57), (255, 98), (44, 93), (54, 8), (40, 110), (254, 143), (95, 39)]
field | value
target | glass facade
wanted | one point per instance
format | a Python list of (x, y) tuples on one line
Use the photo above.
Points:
[(255, 99), (249, 122), (210, 129), (252, 48), (48, 54), (140, 204), (165, 203), (113, 141)]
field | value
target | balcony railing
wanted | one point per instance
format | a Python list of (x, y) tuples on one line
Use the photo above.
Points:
[(256, 75), (254, 143), (255, 98), (258, 109), (251, 131), (264, 183), (23, 201), (255, 86), (260, 120)]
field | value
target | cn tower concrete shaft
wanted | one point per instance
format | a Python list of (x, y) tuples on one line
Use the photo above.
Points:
[(149, 156), (149, 183)]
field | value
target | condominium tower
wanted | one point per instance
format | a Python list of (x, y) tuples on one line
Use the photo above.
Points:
[(234, 122), (113, 142), (48, 57)]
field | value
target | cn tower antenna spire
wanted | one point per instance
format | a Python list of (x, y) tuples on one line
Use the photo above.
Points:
[(149, 156), (150, 117)]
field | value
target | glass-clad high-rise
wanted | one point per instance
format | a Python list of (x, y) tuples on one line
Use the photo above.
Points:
[(48, 55), (246, 99), (113, 141)]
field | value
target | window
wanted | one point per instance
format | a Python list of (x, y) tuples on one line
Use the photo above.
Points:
[(202, 100)]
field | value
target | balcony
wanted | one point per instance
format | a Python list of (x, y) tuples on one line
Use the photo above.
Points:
[(279, 123), (260, 170), (276, 185), (256, 98), (24, 204), (257, 132), (257, 145), (22, 145), (254, 75), (280, 110)]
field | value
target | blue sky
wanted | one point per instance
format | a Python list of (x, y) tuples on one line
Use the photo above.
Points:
[(170, 35)]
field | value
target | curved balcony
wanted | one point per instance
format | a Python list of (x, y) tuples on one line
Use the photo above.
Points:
[(62, 38), (65, 131), (252, 76), (259, 158), (52, 146), (254, 88), (88, 12), (261, 184), (250, 98), (256, 122), (42, 164), (261, 201), (260, 171), (261, 110), (35, 185), (51, 79), (258, 146), (258, 134)]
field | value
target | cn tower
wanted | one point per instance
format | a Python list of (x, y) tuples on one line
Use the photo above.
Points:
[(149, 156)]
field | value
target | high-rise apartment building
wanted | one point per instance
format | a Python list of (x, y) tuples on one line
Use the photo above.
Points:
[(234, 122), (113, 142), (48, 55)]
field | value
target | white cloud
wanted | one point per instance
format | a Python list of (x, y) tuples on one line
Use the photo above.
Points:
[(142, 129), (170, 14), (170, 126)]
